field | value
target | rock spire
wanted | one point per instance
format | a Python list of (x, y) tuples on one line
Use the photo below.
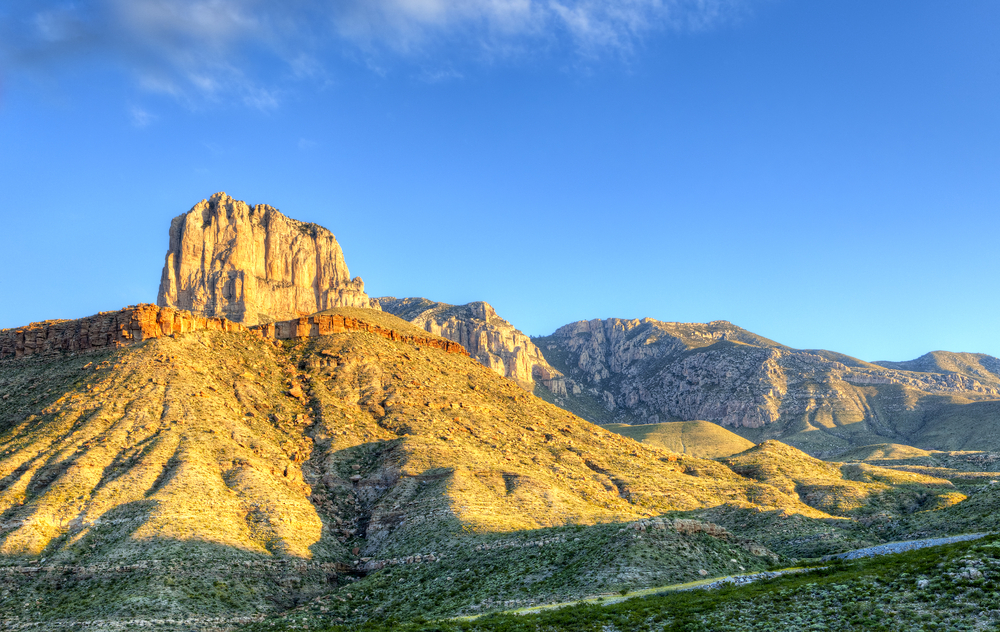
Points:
[(252, 264)]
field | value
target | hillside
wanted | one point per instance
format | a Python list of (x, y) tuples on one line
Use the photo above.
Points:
[(647, 371), (975, 365), (223, 474), (702, 439), (939, 588)]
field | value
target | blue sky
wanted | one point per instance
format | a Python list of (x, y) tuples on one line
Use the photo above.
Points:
[(823, 173)]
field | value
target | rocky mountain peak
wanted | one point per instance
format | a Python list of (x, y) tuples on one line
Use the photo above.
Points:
[(253, 264)]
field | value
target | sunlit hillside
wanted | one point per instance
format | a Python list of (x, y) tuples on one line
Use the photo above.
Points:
[(234, 476)]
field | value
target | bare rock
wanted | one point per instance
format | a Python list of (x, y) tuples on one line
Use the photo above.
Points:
[(106, 329), (650, 371), (488, 338), (252, 264), (332, 323)]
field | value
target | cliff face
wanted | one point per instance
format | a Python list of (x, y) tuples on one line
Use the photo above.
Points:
[(252, 264), (642, 370), (105, 330), (488, 338), (112, 330), (647, 371)]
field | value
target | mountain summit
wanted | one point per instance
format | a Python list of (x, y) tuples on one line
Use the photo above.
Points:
[(252, 264)]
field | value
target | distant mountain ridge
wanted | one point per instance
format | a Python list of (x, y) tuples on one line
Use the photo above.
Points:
[(648, 371), (975, 365)]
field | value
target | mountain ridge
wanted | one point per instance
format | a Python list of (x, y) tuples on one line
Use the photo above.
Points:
[(352, 460), (648, 371)]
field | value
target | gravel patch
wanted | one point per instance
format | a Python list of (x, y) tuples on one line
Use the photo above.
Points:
[(899, 547)]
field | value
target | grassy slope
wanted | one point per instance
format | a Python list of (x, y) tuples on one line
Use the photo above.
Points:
[(702, 439), (884, 452), (148, 456), (941, 588), (195, 450)]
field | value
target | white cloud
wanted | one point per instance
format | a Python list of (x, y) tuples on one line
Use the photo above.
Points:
[(219, 49), (140, 118), (439, 75)]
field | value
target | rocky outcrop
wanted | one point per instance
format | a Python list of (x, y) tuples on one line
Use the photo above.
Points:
[(142, 322), (643, 369), (647, 371), (488, 338), (106, 329), (252, 264), (326, 324)]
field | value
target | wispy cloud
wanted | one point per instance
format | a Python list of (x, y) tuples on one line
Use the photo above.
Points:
[(140, 118), (244, 49)]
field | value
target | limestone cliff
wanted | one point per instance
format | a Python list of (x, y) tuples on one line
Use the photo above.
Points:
[(488, 338), (252, 264), (647, 371), (105, 330)]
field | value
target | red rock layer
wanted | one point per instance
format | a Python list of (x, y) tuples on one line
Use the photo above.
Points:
[(325, 324), (134, 324), (106, 329)]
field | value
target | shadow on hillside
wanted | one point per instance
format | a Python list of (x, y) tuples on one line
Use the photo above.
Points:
[(164, 579)]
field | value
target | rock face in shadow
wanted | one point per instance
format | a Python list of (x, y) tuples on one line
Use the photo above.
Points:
[(252, 264), (488, 338)]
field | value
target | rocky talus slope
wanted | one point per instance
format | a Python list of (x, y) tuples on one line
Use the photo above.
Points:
[(647, 371), (209, 477), (252, 264), (489, 338)]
